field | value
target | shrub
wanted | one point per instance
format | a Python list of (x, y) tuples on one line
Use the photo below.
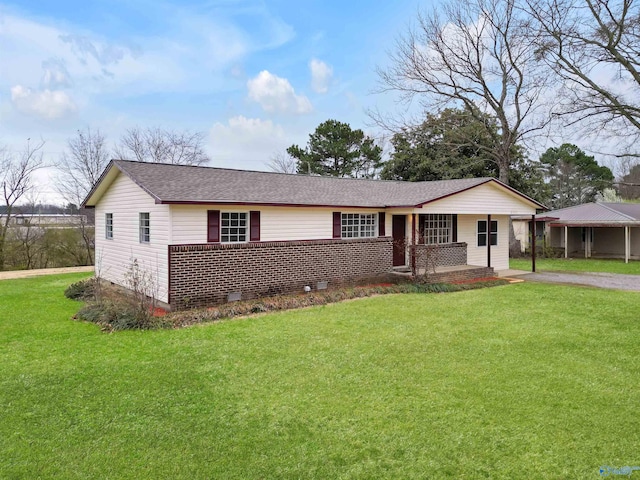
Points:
[(288, 302), (82, 290), (122, 312), (113, 316)]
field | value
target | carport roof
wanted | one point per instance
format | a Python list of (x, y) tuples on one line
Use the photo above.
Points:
[(595, 214)]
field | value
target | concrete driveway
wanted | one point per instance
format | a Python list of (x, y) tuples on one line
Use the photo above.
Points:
[(614, 281)]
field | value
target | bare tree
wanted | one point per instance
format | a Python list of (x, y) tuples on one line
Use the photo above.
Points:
[(478, 55), (16, 180), (282, 163), (81, 165), (157, 145), (80, 168), (593, 47)]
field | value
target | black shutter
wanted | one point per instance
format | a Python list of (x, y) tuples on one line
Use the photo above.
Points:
[(254, 226), (337, 225), (454, 228), (381, 224), (213, 226)]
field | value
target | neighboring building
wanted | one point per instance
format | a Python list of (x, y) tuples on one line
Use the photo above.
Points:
[(522, 231), (210, 234), (49, 219), (604, 230), (46, 219)]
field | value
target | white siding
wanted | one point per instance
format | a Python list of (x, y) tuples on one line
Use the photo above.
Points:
[(125, 200), (189, 222), (488, 198), (467, 232)]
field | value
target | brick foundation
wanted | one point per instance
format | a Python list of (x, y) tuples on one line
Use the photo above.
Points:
[(460, 275), (205, 274), (446, 255)]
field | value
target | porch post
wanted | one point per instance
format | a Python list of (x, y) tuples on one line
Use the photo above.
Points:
[(627, 244), (533, 243), (566, 241), (489, 241), (413, 244), (586, 242)]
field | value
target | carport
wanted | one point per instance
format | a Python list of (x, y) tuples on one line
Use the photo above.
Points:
[(602, 230)]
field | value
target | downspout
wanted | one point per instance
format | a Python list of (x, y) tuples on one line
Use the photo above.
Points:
[(489, 241), (533, 243), (566, 241)]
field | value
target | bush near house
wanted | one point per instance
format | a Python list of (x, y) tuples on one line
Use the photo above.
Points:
[(118, 311)]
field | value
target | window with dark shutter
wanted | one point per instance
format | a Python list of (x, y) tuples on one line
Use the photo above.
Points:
[(337, 225), (254, 226), (381, 224), (482, 233), (213, 226)]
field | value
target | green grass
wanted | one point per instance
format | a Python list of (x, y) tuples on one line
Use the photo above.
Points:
[(577, 265), (522, 381)]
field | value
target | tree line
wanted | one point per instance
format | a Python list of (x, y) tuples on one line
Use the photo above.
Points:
[(490, 77), (36, 244)]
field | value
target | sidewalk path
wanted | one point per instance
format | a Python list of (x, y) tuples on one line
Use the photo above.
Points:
[(43, 271)]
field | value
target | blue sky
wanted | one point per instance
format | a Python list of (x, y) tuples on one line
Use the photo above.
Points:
[(255, 76)]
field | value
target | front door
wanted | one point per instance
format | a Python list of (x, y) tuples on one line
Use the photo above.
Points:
[(399, 239)]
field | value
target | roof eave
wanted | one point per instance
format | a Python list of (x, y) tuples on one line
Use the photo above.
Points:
[(595, 223), (267, 204), (488, 180), (93, 197)]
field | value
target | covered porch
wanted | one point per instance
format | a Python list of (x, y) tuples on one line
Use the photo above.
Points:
[(450, 247), (596, 240)]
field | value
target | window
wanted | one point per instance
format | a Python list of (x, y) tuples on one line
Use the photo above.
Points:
[(108, 226), (233, 227), (482, 233), (355, 225), (437, 228), (145, 228)]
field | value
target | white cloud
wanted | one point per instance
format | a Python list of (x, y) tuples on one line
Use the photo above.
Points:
[(55, 74), (193, 53), (321, 75), (275, 94), (246, 143), (47, 104)]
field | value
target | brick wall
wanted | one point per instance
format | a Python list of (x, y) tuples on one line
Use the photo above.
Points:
[(206, 274), (460, 275), (447, 255)]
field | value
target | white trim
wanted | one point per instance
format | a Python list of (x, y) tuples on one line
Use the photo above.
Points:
[(247, 226), (108, 226), (438, 230), (144, 232), (358, 227)]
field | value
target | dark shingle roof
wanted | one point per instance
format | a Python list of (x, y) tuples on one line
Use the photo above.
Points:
[(188, 184), (601, 213)]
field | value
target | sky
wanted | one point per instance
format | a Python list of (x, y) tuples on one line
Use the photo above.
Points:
[(254, 76)]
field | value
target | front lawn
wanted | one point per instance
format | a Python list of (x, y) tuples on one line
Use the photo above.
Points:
[(522, 381), (577, 265)]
